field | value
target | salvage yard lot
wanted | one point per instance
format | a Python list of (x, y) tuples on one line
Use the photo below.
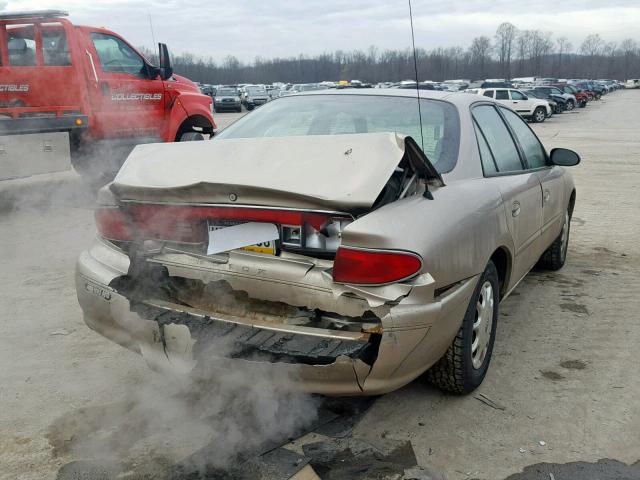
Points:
[(563, 385)]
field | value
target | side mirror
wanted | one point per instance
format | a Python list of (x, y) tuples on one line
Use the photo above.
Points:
[(152, 72), (564, 157), (165, 62)]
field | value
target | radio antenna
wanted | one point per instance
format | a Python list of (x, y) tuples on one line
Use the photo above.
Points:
[(415, 66), (153, 37)]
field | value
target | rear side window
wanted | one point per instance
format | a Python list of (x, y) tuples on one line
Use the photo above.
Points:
[(502, 95), (533, 149), (55, 48), (116, 56), (498, 139), (21, 45), (488, 162), (488, 93)]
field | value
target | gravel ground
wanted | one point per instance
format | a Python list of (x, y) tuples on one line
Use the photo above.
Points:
[(564, 374)]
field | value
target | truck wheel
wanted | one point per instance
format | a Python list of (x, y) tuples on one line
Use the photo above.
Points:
[(191, 137), (539, 114), (464, 365), (555, 256), (570, 105)]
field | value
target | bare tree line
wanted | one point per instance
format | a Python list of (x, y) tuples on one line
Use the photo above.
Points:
[(511, 53)]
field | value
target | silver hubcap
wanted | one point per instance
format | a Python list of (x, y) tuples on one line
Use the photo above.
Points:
[(482, 325), (540, 115), (564, 239), (570, 106)]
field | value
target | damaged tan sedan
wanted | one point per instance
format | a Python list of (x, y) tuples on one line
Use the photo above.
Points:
[(345, 236)]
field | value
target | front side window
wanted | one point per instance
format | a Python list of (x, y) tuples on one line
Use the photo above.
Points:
[(515, 95), (55, 48), (332, 114), (21, 45), (116, 56), (498, 138), (533, 149), (502, 95)]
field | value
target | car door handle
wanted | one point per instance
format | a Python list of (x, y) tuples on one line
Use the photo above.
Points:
[(515, 209), (546, 196)]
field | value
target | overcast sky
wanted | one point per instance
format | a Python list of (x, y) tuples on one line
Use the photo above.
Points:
[(271, 28)]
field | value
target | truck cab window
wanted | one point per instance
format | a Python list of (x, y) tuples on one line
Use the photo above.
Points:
[(116, 56), (21, 45), (55, 48)]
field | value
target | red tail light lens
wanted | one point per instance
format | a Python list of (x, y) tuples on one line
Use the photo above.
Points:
[(374, 267), (112, 224)]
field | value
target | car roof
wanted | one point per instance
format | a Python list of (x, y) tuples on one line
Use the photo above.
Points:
[(460, 99)]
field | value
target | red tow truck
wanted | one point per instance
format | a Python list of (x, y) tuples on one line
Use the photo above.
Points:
[(89, 86)]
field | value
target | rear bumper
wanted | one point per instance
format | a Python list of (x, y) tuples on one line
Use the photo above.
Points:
[(173, 337)]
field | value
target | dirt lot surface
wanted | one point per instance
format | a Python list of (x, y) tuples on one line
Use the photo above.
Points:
[(563, 385)]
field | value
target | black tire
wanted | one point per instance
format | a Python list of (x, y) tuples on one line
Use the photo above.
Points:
[(583, 104), (539, 115), (191, 137), (239, 109), (555, 256), (457, 371), (250, 107), (216, 110), (570, 105)]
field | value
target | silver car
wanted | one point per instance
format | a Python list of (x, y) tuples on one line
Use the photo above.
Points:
[(350, 237)]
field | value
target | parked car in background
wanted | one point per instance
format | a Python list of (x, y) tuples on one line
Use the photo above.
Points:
[(304, 235), (254, 96), (632, 83), (558, 104), (533, 109), (227, 99), (581, 97), (570, 98)]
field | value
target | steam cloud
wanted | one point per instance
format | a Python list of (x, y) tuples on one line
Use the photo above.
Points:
[(212, 419)]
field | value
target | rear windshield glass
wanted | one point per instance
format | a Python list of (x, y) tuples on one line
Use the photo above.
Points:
[(227, 93), (343, 114)]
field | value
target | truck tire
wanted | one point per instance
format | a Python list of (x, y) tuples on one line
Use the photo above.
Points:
[(556, 255), (463, 367), (191, 137), (539, 114)]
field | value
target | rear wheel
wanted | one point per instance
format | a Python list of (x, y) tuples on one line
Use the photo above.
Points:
[(539, 115), (465, 364), (556, 255)]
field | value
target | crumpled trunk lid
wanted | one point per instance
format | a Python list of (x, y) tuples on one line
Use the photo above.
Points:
[(333, 172)]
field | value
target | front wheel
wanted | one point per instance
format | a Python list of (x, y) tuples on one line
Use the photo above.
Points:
[(539, 115), (464, 366), (570, 105), (583, 104), (191, 137)]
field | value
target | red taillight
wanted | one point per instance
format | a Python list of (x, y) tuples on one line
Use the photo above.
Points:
[(112, 224), (374, 267)]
